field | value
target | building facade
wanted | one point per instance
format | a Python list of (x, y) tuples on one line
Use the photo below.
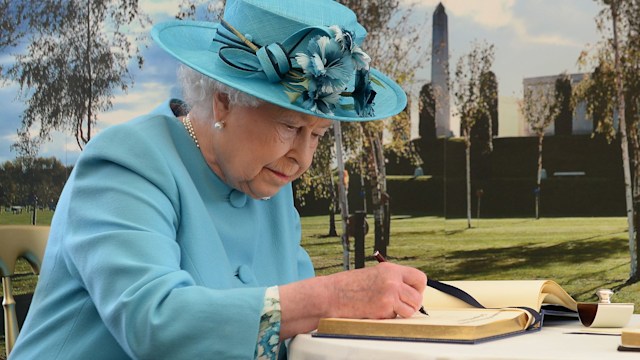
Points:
[(580, 123)]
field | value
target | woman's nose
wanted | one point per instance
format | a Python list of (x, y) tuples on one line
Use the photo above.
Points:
[(303, 149)]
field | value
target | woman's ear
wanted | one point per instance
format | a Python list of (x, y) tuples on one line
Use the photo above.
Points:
[(221, 105)]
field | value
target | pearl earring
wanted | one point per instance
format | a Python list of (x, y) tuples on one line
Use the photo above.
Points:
[(218, 125)]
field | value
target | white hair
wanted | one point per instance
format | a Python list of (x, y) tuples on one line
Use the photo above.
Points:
[(198, 90)]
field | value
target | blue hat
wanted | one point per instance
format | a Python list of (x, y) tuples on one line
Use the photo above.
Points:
[(302, 55)]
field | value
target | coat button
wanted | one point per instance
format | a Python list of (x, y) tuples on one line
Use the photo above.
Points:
[(245, 274), (237, 199)]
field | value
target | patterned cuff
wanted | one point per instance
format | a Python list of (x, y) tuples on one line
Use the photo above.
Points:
[(269, 333)]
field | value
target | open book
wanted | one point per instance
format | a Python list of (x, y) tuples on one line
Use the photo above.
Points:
[(452, 320)]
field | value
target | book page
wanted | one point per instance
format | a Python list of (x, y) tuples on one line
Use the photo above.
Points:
[(456, 317), (501, 293)]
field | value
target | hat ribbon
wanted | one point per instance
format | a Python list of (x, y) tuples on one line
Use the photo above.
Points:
[(273, 60)]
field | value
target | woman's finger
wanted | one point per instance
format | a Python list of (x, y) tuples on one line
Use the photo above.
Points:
[(411, 297), (403, 309), (415, 278)]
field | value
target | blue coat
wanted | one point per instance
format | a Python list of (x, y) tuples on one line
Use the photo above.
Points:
[(152, 256)]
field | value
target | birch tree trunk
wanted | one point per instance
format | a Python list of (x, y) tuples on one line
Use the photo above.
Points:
[(332, 208), (467, 153), (385, 213), (633, 274), (344, 206), (372, 144), (539, 177)]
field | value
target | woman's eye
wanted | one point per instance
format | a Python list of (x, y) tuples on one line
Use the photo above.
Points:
[(290, 128)]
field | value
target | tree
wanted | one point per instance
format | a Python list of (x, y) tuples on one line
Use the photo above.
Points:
[(319, 181), (24, 178), (427, 106), (539, 109), (469, 99), (204, 10), (393, 42), (613, 95), (390, 38), (71, 69), (597, 91), (20, 18), (563, 122), (10, 31), (484, 129), (614, 6)]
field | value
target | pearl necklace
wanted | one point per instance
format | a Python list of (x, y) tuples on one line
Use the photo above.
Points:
[(189, 127)]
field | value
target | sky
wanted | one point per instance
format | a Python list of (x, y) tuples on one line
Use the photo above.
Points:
[(531, 37)]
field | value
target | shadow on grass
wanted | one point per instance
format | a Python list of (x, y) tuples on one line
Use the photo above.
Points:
[(337, 267), (416, 234), (526, 256), (616, 285), (401, 217), (395, 259), (625, 284), (334, 241)]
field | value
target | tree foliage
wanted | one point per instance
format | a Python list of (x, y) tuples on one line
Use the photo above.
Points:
[(24, 178), (597, 91), (485, 126), (427, 129), (202, 10), (395, 44), (467, 85), (484, 129), (20, 18), (563, 123), (539, 108), (73, 64)]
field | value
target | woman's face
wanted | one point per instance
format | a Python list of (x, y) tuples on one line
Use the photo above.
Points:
[(261, 149)]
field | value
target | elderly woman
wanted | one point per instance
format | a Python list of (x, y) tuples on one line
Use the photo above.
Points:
[(176, 236)]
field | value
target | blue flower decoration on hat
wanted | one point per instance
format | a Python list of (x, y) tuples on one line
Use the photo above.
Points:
[(345, 38), (363, 94), (318, 77), (326, 64)]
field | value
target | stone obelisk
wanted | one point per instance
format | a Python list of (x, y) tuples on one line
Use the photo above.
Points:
[(440, 71)]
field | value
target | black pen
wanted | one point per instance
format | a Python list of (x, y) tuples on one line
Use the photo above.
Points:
[(381, 259)]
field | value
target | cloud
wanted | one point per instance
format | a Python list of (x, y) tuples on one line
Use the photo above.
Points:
[(524, 36), (502, 15), (135, 103), (492, 14), (488, 13), (160, 9), (62, 146)]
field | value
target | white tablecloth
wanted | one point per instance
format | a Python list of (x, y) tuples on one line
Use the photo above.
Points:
[(552, 342)]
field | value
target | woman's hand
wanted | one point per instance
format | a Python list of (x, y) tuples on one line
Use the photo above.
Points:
[(382, 291)]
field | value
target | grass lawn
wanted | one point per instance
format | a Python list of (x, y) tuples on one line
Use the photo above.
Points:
[(581, 254)]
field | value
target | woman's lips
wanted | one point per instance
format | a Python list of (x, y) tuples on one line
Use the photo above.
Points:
[(279, 174)]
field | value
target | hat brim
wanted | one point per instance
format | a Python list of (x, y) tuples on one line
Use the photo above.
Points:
[(190, 42)]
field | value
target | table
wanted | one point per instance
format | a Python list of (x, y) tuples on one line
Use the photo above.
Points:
[(552, 342)]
